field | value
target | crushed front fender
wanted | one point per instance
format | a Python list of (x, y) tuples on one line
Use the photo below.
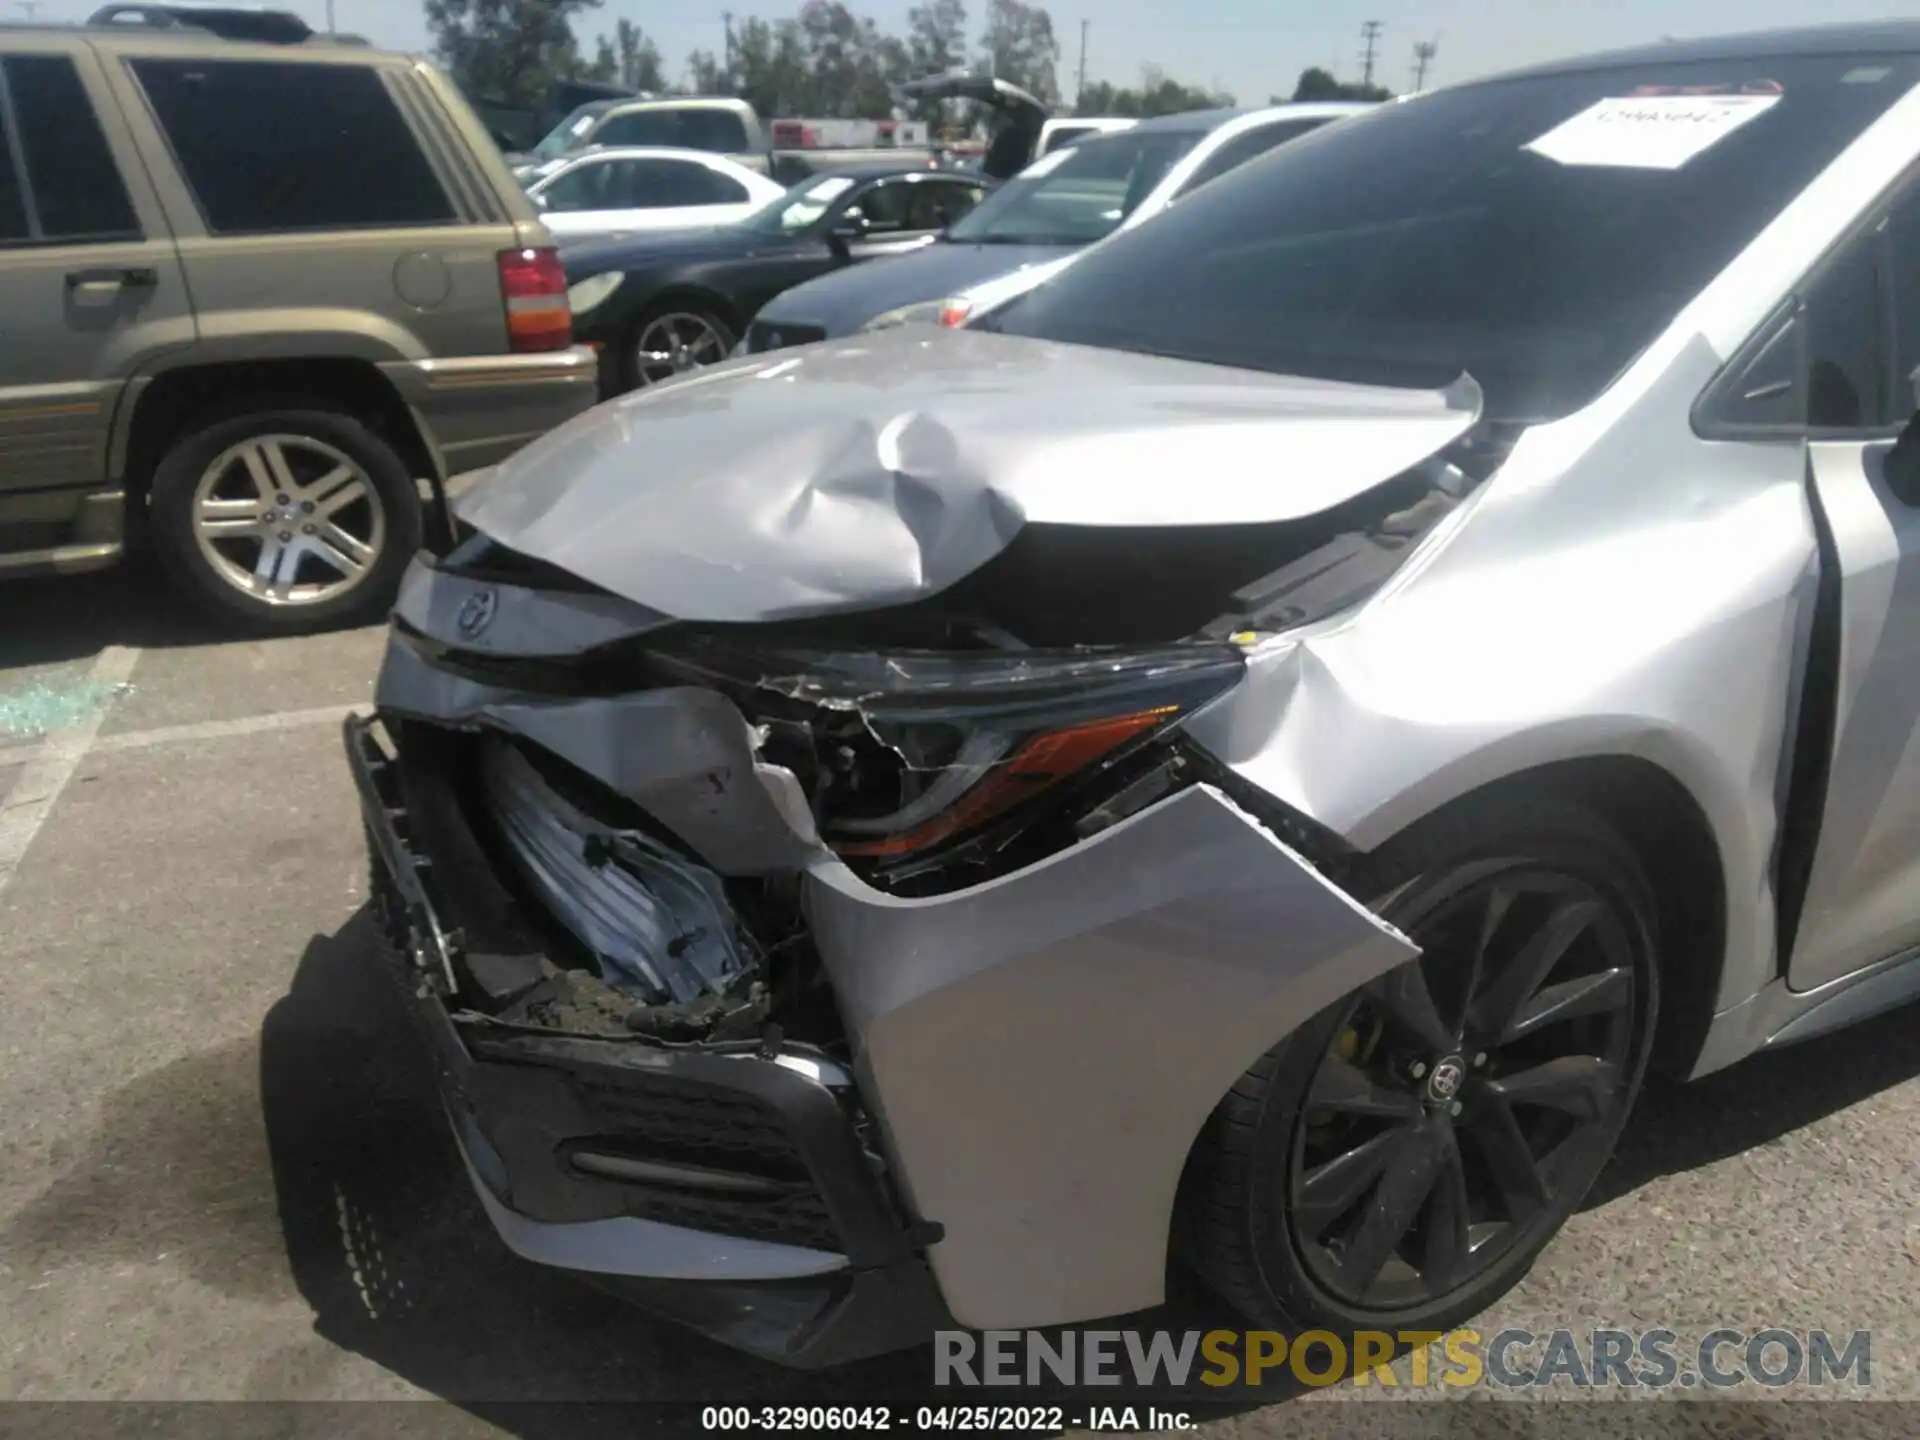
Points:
[(1043, 1050)]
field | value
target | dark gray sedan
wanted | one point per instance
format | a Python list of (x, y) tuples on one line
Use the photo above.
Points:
[(1061, 203)]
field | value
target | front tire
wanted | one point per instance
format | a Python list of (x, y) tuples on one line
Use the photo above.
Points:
[(1399, 1161), (285, 518)]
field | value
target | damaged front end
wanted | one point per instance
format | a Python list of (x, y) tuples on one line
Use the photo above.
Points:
[(819, 979)]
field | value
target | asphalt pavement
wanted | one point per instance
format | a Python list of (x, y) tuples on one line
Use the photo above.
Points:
[(223, 1174)]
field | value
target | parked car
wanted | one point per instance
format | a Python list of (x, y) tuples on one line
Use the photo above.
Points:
[(715, 124), (230, 338), (1059, 132), (603, 193), (657, 306), (792, 167), (1060, 203), (1249, 757), (557, 143)]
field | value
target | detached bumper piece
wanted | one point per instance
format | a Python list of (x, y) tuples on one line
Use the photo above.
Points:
[(726, 1186)]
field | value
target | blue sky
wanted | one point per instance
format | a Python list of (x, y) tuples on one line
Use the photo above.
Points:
[(1251, 48)]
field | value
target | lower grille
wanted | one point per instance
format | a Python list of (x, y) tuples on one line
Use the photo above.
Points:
[(674, 1122)]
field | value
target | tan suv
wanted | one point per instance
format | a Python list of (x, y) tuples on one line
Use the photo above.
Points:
[(260, 297)]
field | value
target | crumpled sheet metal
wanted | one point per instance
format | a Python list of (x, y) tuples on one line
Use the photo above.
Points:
[(1061, 1035), (685, 755), (883, 468)]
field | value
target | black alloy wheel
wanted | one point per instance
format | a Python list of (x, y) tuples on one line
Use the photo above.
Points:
[(1401, 1159)]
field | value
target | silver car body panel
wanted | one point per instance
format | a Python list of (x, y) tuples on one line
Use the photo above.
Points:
[(991, 1024), (878, 469)]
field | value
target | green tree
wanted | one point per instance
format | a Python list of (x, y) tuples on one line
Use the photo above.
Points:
[(707, 75), (1158, 94), (640, 66), (770, 68), (1020, 46), (1320, 84), (936, 43), (507, 51)]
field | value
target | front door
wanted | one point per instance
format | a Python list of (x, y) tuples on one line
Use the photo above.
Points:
[(1862, 902), (90, 282)]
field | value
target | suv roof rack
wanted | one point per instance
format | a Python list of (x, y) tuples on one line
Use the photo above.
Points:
[(229, 22)]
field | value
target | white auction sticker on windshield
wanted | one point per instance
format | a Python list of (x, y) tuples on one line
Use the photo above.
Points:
[(1649, 132)]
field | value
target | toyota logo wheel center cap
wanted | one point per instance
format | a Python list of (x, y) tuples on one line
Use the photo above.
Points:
[(1445, 1079)]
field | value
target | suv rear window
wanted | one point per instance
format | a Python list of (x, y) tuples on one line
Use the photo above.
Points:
[(720, 131), (270, 147)]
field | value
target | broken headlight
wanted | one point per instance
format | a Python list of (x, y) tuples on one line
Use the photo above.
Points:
[(903, 751)]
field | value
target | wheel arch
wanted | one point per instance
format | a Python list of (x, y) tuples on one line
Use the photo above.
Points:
[(162, 407), (1665, 825)]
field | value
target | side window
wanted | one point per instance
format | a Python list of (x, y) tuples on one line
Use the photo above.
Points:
[(78, 195), (1244, 147), (1903, 233), (885, 207), (712, 188), (1848, 362), (669, 184), (13, 204), (582, 188), (277, 146), (937, 204)]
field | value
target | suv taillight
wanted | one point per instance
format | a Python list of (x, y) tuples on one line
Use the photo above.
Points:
[(535, 286)]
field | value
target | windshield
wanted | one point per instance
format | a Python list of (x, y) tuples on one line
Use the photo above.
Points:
[(800, 207), (1537, 233), (568, 133), (1079, 193)]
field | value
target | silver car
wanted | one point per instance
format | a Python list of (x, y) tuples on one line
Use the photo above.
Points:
[(1249, 754)]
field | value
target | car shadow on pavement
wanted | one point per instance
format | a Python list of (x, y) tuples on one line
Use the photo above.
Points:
[(389, 1247), (73, 617), (1677, 1127)]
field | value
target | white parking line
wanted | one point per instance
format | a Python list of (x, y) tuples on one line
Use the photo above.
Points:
[(38, 786), (223, 729)]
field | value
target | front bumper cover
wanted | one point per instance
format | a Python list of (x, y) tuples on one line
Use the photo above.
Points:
[(814, 1266), (1038, 1053)]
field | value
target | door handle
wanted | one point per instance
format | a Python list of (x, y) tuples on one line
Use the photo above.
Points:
[(136, 278)]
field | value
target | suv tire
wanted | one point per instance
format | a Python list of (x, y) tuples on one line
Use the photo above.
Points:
[(1310, 1148), (287, 517)]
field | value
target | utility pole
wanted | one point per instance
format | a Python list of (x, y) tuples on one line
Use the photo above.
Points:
[(1370, 38), (1080, 88), (30, 6), (1423, 53), (330, 26), (726, 22)]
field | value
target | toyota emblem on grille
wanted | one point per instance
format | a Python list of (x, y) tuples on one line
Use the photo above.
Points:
[(477, 613)]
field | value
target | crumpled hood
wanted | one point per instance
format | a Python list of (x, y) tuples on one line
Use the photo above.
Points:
[(879, 469), (846, 299)]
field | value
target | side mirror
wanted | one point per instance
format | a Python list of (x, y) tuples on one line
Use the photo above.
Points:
[(539, 201)]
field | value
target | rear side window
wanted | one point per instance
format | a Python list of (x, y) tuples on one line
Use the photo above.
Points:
[(77, 193), (1244, 147), (666, 184), (274, 147), (13, 205), (719, 131)]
